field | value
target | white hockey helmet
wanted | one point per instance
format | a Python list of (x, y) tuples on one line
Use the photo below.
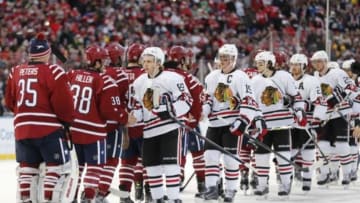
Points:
[(299, 59), (333, 64), (228, 49), (266, 56), (320, 55), (156, 52), (346, 65)]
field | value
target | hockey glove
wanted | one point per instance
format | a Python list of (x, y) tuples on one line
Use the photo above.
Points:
[(165, 109), (300, 117), (338, 95), (239, 126), (261, 128)]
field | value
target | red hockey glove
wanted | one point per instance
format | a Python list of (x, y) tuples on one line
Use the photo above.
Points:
[(238, 127), (300, 117)]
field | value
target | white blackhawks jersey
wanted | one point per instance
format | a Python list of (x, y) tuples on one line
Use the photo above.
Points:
[(332, 79), (236, 83), (310, 91), (165, 82), (270, 94)]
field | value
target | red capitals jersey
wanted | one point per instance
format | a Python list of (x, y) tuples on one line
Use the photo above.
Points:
[(195, 89), (121, 79), (39, 95), (96, 100), (251, 72), (133, 73)]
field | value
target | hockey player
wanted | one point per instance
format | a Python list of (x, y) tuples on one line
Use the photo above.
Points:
[(276, 94), (39, 95), (353, 141), (337, 88), (162, 95), (131, 169), (228, 93), (113, 142), (96, 97), (309, 88), (176, 62)]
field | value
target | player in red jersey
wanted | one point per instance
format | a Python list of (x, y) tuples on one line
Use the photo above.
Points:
[(131, 169), (114, 130), (96, 100), (176, 62), (39, 95)]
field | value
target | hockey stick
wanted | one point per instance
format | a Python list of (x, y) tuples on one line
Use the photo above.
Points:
[(187, 182), (56, 51), (267, 148), (317, 145), (216, 146)]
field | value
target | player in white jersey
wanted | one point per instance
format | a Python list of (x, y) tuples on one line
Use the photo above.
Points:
[(162, 96), (353, 141), (279, 101), (338, 89), (309, 88), (229, 103)]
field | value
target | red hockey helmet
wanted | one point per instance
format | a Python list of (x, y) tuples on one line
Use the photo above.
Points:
[(281, 58), (115, 51), (134, 52), (94, 53), (177, 53)]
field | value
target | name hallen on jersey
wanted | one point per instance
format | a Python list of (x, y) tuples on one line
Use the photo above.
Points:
[(95, 102), (39, 96)]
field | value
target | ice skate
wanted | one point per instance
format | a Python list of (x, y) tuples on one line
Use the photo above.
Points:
[(261, 192), (229, 195), (244, 183), (139, 193), (201, 188), (148, 198), (211, 193), (306, 187), (284, 191), (101, 199), (126, 200), (346, 181)]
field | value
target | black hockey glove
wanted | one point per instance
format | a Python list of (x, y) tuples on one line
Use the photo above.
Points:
[(338, 95), (260, 127), (165, 109), (238, 127)]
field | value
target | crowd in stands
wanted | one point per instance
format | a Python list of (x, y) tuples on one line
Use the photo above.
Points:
[(287, 25)]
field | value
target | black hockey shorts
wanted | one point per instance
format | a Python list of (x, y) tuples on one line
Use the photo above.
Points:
[(279, 139), (162, 149), (299, 137), (334, 131), (223, 137)]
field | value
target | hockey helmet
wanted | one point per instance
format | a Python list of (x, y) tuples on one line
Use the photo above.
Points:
[(320, 55), (266, 56), (299, 59), (177, 53), (228, 49), (94, 53), (115, 51), (134, 52), (156, 52), (346, 65)]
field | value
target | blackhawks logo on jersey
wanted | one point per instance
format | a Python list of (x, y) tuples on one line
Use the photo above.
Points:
[(270, 95), (326, 89), (223, 92), (148, 99)]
